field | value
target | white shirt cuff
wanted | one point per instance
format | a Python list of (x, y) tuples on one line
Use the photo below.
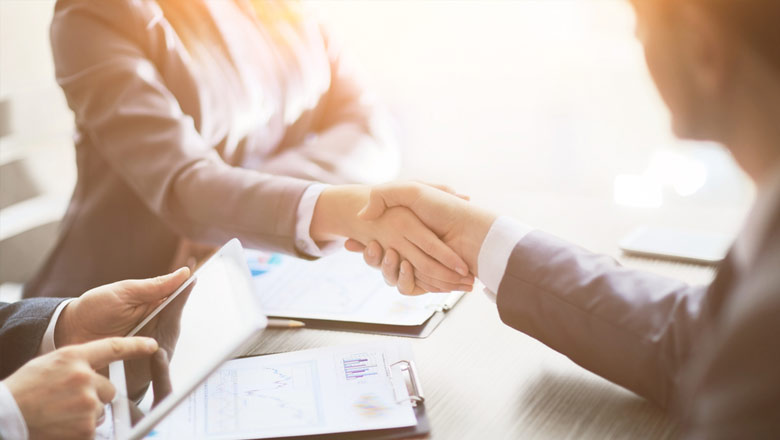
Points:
[(47, 343), (303, 241), (12, 424), (494, 254)]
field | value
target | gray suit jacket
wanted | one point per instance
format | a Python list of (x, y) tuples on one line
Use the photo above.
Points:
[(22, 325), (709, 354), (172, 147)]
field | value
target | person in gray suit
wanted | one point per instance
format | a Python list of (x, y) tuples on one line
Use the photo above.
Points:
[(709, 354), (201, 121), (52, 348)]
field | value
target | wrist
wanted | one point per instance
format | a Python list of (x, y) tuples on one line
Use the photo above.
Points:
[(65, 332), (335, 213), (476, 228)]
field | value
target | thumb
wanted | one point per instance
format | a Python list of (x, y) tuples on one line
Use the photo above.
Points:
[(154, 289), (387, 196), (446, 188), (376, 206)]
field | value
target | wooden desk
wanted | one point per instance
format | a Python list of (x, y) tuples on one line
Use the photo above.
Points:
[(533, 111), (485, 380)]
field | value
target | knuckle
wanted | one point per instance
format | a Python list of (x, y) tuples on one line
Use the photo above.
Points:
[(110, 391), (414, 189), (85, 401), (390, 260), (428, 245), (66, 354), (158, 281), (86, 428), (116, 346), (80, 377)]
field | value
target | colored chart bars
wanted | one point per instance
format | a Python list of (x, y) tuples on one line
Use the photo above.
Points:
[(359, 366)]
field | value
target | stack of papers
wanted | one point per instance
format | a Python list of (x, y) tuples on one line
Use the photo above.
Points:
[(340, 287), (321, 391)]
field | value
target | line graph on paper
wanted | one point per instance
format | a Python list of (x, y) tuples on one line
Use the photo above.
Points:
[(262, 398), (313, 287)]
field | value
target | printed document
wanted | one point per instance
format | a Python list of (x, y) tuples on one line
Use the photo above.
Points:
[(320, 391), (339, 287)]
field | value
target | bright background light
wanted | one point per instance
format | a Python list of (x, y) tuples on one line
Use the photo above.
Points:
[(534, 107), (537, 108)]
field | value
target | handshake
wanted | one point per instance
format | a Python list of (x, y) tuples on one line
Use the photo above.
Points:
[(425, 238)]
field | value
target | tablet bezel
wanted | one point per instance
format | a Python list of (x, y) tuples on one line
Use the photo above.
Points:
[(121, 413)]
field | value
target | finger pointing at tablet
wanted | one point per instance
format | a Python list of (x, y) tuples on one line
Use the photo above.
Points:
[(60, 395), (102, 352)]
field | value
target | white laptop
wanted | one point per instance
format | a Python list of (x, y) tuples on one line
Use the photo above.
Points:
[(218, 316)]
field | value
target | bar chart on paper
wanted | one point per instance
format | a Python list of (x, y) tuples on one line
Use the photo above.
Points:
[(360, 367)]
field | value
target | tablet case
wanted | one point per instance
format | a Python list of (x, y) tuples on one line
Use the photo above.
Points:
[(415, 331), (410, 331)]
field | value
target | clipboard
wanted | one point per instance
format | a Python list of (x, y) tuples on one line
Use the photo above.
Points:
[(412, 331), (341, 293), (355, 391), (419, 431)]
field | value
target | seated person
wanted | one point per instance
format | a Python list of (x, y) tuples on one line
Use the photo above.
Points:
[(709, 354), (200, 121), (51, 350)]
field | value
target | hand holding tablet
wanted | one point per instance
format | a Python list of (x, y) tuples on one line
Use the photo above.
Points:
[(205, 322)]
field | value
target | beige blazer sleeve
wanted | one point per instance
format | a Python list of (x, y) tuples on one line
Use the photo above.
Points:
[(120, 102)]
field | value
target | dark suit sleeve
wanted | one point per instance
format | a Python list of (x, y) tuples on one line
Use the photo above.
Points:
[(22, 325), (735, 385), (631, 327)]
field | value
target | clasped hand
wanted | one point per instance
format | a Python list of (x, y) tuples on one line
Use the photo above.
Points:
[(425, 238)]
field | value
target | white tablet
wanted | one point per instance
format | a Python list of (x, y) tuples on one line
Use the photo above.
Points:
[(678, 245), (208, 320)]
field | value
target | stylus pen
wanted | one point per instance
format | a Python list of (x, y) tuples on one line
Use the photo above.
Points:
[(284, 323)]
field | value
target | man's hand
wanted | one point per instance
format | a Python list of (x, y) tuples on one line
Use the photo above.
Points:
[(60, 394), (336, 215), (461, 226), (115, 309)]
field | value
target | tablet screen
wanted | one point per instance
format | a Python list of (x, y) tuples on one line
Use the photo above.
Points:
[(209, 321)]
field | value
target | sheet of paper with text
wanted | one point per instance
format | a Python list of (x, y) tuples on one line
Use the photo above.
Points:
[(325, 390)]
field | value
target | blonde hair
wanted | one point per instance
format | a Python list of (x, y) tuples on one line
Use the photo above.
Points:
[(196, 29)]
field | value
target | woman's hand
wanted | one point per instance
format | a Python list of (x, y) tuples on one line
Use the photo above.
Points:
[(461, 226), (336, 215)]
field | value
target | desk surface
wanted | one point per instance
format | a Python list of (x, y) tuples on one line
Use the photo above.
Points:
[(484, 379), (533, 112)]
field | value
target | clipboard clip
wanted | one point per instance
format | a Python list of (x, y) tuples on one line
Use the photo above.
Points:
[(416, 394)]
